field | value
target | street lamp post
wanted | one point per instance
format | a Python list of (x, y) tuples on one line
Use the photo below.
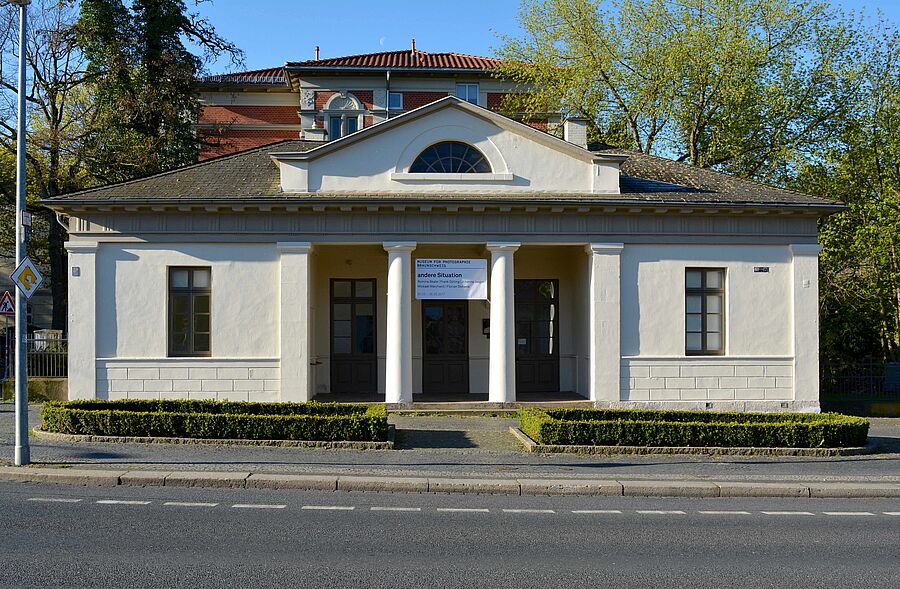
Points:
[(23, 454)]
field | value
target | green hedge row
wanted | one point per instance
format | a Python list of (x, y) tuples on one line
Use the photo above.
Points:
[(626, 427), (218, 420)]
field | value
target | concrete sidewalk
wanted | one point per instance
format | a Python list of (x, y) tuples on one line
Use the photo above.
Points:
[(491, 486), (432, 450)]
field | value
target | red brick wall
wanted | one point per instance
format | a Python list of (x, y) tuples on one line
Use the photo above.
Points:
[(322, 98), (413, 100), (539, 124), (494, 99), (368, 120), (226, 141), (244, 114)]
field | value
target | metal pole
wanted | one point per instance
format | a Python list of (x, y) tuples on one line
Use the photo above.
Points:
[(23, 454)]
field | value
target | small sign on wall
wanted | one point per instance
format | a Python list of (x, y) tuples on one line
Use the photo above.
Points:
[(763, 269), (451, 279)]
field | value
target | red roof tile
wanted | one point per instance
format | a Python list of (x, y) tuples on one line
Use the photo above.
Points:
[(406, 59)]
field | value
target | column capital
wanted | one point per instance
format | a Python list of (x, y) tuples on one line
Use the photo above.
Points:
[(805, 249), (609, 249), (398, 246), (294, 247), (82, 247), (503, 246)]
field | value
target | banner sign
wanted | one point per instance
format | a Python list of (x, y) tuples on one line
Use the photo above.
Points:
[(451, 279)]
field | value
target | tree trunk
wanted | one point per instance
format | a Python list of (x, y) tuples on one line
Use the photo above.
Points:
[(59, 277)]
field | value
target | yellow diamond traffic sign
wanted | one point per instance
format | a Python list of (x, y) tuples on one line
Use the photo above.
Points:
[(27, 277)]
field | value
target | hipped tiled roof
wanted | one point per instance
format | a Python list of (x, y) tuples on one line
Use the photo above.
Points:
[(406, 59), (251, 175)]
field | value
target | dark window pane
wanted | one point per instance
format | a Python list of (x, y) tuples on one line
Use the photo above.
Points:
[(365, 289), (450, 157), (180, 278), (342, 345), (343, 288), (201, 342), (342, 329), (201, 323), (341, 311), (201, 303), (694, 342)]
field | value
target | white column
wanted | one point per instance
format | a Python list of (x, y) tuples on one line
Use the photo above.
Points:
[(502, 381), (805, 285), (398, 340), (605, 321), (295, 337), (82, 319)]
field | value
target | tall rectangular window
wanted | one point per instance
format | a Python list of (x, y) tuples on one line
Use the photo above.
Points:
[(467, 92), (704, 311), (395, 100), (334, 128), (190, 289)]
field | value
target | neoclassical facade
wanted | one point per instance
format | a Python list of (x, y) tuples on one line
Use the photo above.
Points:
[(446, 253)]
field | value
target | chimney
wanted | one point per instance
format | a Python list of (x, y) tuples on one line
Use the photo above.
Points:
[(413, 45), (575, 131), (317, 53)]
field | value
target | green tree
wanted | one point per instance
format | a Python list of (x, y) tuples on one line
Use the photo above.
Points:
[(860, 261), (143, 77), (751, 87)]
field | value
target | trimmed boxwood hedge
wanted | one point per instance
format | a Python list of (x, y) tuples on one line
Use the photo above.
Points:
[(218, 420), (638, 427)]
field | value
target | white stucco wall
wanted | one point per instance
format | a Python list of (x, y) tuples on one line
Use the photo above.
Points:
[(758, 360), (131, 330), (377, 161)]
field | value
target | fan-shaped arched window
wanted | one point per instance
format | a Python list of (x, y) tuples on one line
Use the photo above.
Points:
[(450, 157)]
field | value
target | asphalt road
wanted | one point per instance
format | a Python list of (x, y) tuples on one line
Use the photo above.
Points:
[(456, 447), (66, 536)]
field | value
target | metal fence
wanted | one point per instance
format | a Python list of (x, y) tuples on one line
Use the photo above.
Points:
[(868, 379), (48, 357)]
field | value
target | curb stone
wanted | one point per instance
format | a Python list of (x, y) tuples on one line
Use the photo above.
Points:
[(497, 486)]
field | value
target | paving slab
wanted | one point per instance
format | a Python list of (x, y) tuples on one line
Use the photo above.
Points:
[(387, 484), (207, 479), (475, 486), (292, 481), (761, 489), (669, 489), (570, 487)]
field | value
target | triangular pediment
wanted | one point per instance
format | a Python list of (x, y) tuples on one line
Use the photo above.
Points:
[(380, 158)]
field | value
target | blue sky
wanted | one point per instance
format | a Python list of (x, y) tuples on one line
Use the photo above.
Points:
[(274, 31)]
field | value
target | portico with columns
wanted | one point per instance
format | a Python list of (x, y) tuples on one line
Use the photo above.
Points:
[(285, 273)]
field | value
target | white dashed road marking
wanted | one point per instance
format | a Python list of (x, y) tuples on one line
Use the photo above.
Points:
[(724, 512), (395, 509), (597, 511), (257, 506), (54, 500), (528, 511), (660, 512), (121, 502), (188, 504), (330, 507), (848, 513), (891, 512), (462, 510), (787, 513)]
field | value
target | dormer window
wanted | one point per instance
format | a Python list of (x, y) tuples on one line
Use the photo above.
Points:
[(450, 157)]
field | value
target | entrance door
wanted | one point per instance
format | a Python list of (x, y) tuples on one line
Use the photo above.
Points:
[(445, 349), (353, 359), (537, 336)]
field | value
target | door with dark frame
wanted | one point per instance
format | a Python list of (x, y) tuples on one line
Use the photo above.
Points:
[(354, 364), (537, 336), (445, 347)]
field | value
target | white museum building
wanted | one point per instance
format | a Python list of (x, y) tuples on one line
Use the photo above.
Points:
[(447, 253)]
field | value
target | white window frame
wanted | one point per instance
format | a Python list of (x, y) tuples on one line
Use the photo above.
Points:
[(468, 92), (400, 96)]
